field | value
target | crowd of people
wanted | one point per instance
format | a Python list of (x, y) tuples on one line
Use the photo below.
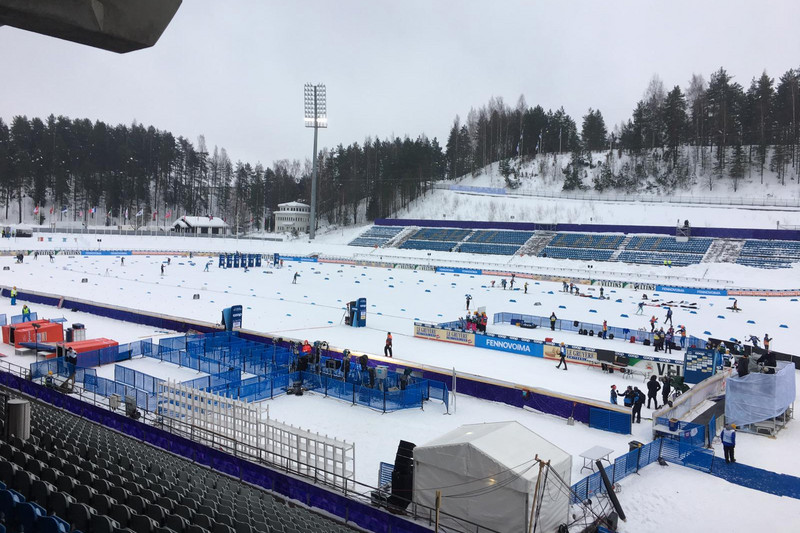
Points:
[(635, 398)]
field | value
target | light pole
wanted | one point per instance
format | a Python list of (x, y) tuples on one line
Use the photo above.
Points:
[(316, 117)]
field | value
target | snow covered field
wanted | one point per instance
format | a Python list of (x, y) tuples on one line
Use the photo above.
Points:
[(313, 309)]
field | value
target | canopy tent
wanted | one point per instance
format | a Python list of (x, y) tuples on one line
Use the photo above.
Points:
[(758, 397), (487, 475)]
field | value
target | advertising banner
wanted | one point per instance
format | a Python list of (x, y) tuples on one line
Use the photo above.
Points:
[(446, 335), (509, 344), (692, 290), (456, 270), (106, 252), (574, 353)]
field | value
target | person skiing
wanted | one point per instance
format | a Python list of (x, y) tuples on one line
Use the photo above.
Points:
[(469, 299), (525, 288), (564, 286), (614, 394), (753, 338), (652, 391), (122, 260), (51, 257), (669, 316), (493, 284), (728, 437), (601, 294), (207, 265), (767, 338), (162, 270), (169, 260), (640, 309), (563, 355), (653, 321), (553, 321), (294, 279), (638, 402), (387, 349), (503, 283), (14, 295), (36, 255)]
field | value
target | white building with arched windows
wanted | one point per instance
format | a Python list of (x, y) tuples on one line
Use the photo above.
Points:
[(293, 216)]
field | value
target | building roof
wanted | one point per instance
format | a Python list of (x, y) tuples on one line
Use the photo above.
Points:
[(293, 204), (200, 222)]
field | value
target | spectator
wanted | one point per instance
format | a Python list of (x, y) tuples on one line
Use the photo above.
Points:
[(638, 402), (665, 390), (652, 391), (728, 436), (627, 397), (743, 366), (768, 360), (614, 394), (553, 319), (387, 348)]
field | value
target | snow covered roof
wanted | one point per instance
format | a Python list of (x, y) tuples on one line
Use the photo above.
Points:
[(293, 204), (508, 443), (200, 222)]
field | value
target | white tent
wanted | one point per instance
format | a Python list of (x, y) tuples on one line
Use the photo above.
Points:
[(487, 475)]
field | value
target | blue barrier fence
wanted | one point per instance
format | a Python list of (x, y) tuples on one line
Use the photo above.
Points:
[(577, 325), (3, 319), (670, 450), (106, 387), (59, 367), (136, 379), (610, 420), (693, 434), (17, 319)]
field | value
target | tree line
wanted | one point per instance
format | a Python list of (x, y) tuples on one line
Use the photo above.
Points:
[(92, 171)]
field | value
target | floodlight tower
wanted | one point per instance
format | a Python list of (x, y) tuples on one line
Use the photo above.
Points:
[(316, 117)]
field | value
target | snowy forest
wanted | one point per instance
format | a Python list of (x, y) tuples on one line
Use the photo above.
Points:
[(715, 130)]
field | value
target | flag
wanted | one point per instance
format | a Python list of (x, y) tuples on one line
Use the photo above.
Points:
[(36, 210), (94, 210), (64, 209), (169, 214), (51, 209), (155, 214), (109, 213), (211, 217), (126, 213), (80, 213), (140, 212)]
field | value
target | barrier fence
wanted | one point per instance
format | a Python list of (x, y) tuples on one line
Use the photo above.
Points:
[(577, 325), (30, 317), (673, 451)]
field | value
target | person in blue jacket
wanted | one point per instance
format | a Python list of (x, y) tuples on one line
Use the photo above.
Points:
[(728, 437), (614, 394)]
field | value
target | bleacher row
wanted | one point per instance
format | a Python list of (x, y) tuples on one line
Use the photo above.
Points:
[(643, 249), (769, 254), (75, 475)]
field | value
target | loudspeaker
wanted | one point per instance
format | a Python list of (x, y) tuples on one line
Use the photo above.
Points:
[(575, 324), (646, 342), (404, 458), (610, 335), (372, 378), (403, 475)]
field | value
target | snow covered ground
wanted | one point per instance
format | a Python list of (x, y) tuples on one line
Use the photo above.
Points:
[(313, 309)]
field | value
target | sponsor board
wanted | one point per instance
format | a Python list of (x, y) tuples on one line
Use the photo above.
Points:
[(692, 290), (625, 284), (519, 346), (762, 292), (111, 252), (573, 352), (299, 259), (447, 335), (456, 270), (661, 369)]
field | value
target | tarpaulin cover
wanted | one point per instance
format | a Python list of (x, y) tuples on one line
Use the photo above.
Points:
[(758, 397), (487, 474)]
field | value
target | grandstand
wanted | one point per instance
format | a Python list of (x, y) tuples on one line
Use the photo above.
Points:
[(627, 248), (769, 254), (73, 474)]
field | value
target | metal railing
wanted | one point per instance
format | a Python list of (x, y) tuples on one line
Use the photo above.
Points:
[(646, 198)]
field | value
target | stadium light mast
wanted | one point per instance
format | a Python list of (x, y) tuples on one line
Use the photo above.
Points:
[(316, 117)]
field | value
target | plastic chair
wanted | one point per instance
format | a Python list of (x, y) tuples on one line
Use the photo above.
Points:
[(27, 513)]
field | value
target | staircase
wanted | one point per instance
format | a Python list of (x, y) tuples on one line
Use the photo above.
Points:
[(723, 251), (465, 239), (401, 237), (536, 244), (621, 247)]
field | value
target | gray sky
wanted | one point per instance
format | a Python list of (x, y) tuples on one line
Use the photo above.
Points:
[(234, 71)]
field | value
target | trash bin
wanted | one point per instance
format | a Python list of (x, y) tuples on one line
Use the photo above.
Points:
[(634, 445), (673, 424)]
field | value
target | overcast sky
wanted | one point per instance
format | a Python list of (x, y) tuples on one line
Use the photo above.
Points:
[(234, 71)]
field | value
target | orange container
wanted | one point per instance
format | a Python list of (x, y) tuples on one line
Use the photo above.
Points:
[(47, 332)]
